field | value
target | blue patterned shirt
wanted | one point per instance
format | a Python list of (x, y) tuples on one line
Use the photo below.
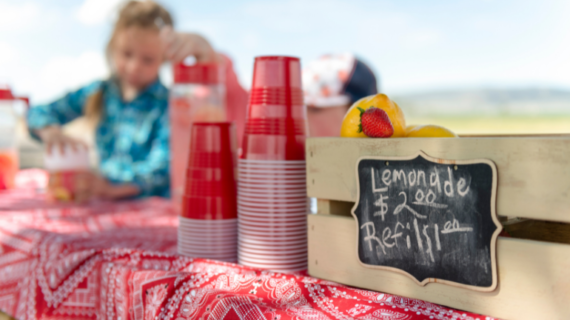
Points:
[(132, 137)]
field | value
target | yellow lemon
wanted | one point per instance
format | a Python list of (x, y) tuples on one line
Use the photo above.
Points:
[(351, 122), (350, 127), (411, 127), (430, 131)]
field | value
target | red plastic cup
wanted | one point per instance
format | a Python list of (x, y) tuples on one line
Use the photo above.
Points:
[(276, 124), (211, 190)]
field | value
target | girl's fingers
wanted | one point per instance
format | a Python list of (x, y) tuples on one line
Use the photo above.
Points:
[(185, 50), (49, 147), (169, 39), (174, 47), (61, 147)]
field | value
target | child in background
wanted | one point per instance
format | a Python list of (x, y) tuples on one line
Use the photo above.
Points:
[(132, 133), (331, 84)]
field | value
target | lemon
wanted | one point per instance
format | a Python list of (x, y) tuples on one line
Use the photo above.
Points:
[(351, 122), (411, 127), (430, 131)]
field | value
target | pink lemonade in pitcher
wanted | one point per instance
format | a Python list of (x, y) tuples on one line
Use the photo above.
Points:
[(197, 95), (8, 168)]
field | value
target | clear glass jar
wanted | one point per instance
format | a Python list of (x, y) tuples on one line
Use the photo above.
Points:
[(68, 169), (197, 95)]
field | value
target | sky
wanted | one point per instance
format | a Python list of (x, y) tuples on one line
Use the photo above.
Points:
[(49, 47)]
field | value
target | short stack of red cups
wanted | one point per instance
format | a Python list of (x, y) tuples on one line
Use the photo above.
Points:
[(208, 220), (272, 196)]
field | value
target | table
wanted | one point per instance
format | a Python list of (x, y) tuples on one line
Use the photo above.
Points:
[(118, 261)]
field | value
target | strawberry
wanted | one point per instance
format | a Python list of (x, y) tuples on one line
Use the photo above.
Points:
[(375, 123)]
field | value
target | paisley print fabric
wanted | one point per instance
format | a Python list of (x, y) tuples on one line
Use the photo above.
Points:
[(118, 261)]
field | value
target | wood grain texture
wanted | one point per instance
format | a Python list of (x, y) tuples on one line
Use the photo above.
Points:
[(534, 277), (533, 172), (4, 316)]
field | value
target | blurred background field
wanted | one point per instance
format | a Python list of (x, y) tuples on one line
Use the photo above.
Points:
[(500, 124)]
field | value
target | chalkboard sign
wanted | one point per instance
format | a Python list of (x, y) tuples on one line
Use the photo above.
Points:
[(431, 219)]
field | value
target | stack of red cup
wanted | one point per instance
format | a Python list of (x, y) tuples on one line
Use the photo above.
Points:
[(272, 200), (208, 220)]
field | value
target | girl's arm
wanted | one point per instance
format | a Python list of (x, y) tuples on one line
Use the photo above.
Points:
[(44, 121)]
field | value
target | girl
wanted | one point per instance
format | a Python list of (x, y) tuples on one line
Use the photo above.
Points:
[(132, 133)]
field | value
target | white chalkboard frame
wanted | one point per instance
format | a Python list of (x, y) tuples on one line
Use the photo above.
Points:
[(494, 217)]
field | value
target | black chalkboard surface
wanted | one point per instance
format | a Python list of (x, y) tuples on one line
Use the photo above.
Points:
[(431, 219)]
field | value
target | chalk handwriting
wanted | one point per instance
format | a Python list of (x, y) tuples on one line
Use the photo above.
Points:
[(404, 205), (450, 227), (427, 235)]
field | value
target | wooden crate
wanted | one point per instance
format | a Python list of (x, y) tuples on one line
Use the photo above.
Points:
[(533, 185)]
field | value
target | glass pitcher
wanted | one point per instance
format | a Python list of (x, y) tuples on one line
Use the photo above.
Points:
[(8, 136), (197, 95)]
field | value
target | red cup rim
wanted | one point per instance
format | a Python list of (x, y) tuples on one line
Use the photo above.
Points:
[(209, 253), (283, 236), (272, 195), (274, 213), (273, 200), (207, 226), (269, 204), (284, 242), (194, 248), (270, 58), (261, 221), (270, 224), (295, 262), (283, 171), (260, 163), (244, 256), (218, 258), (207, 222), (296, 265), (270, 231), (271, 250), (191, 234), (272, 190)]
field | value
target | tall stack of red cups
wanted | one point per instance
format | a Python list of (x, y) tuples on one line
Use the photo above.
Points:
[(208, 220), (272, 196)]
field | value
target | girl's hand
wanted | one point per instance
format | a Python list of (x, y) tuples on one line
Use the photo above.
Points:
[(178, 46), (54, 138)]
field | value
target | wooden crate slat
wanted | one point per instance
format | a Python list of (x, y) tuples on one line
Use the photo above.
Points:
[(534, 172), (534, 277)]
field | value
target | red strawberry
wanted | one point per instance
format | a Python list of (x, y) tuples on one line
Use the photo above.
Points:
[(375, 123)]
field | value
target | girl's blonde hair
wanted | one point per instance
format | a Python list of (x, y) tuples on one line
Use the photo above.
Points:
[(143, 14)]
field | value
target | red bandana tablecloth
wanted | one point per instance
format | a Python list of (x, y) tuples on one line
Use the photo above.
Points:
[(118, 261)]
